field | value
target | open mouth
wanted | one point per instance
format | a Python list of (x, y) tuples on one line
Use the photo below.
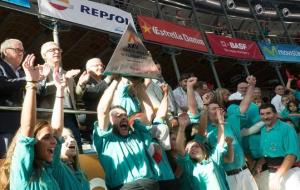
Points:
[(72, 147), (50, 150)]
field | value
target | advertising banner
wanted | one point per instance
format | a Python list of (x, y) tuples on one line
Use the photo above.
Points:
[(131, 58), (234, 47), (22, 3), (280, 52), (88, 13), (163, 32)]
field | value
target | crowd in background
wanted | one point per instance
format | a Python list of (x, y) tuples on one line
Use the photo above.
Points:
[(146, 135)]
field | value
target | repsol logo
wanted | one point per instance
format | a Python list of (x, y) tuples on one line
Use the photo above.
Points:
[(102, 14)]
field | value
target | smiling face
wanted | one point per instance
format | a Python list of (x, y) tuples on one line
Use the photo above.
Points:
[(51, 53), (69, 147), (95, 67), (119, 120), (46, 143), (196, 151), (268, 116)]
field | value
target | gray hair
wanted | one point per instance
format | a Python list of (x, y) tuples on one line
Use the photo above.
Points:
[(7, 44), (44, 48)]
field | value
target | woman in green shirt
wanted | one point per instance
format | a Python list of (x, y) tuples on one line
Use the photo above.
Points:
[(35, 148)]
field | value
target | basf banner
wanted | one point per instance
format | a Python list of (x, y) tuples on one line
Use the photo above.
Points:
[(22, 3), (88, 13), (171, 34), (280, 52), (234, 47)]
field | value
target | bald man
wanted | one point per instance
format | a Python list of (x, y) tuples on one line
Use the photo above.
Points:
[(240, 93), (90, 87)]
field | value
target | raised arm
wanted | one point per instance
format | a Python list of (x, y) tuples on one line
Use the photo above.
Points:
[(163, 108), (183, 121), (204, 115), (288, 84), (28, 115), (221, 122), (57, 120), (248, 97), (105, 103), (192, 104)]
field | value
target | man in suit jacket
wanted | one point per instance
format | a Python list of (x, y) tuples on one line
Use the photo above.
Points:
[(12, 84), (51, 53)]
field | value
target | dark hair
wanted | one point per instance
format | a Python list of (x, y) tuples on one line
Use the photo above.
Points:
[(119, 107), (266, 106), (186, 76), (291, 102)]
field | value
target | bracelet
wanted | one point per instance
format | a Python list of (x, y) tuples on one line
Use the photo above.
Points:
[(31, 81), (31, 87), (59, 96)]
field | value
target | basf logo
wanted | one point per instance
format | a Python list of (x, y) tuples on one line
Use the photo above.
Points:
[(60, 4)]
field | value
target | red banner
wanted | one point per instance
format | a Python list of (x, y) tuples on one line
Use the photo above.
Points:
[(234, 47), (171, 34)]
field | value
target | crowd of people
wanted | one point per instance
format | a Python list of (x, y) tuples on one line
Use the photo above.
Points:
[(146, 135)]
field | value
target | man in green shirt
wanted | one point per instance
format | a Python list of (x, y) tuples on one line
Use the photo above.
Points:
[(280, 148), (122, 150)]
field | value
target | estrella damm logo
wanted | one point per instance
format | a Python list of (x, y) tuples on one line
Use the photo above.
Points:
[(60, 4)]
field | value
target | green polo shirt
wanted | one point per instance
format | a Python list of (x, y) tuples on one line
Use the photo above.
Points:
[(280, 141), (124, 159), (207, 174), (22, 172)]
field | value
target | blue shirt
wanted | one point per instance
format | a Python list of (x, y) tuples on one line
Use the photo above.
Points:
[(124, 159), (22, 173), (280, 141)]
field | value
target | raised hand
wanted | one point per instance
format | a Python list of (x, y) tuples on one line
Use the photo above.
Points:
[(220, 116), (183, 120), (228, 140), (84, 78), (45, 71), (32, 72), (251, 80), (191, 81), (60, 82), (72, 73), (165, 88), (207, 98)]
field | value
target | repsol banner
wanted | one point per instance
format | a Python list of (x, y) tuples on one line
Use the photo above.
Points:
[(280, 52), (171, 34), (88, 13)]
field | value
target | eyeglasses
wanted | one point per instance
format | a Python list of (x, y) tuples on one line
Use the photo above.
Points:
[(54, 50), (17, 50)]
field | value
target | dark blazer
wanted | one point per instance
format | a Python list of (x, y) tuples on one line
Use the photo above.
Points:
[(11, 94)]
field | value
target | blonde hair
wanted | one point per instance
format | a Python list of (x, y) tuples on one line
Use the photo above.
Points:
[(219, 93)]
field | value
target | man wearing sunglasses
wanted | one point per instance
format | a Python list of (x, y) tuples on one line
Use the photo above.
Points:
[(12, 84)]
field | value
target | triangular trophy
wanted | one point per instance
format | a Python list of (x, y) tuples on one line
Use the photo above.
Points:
[(131, 58)]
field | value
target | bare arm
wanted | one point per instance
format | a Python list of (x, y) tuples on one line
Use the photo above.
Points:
[(288, 85), (146, 104), (204, 115), (104, 105), (229, 157), (57, 120), (163, 108), (248, 97), (180, 140), (192, 104), (28, 115), (287, 163)]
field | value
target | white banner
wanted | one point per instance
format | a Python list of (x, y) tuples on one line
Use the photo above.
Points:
[(88, 13)]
